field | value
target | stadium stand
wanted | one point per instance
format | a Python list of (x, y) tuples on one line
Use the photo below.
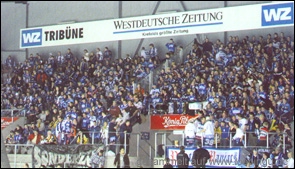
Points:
[(247, 85)]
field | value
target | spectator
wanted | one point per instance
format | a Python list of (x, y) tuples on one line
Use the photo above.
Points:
[(182, 158), (125, 130), (122, 159), (208, 132), (238, 137), (263, 134), (69, 56), (153, 52), (114, 110), (217, 133), (171, 46), (200, 157), (34, 138), (207, 45), (190, 132), (144, 53), (290, 161), (253, 159), (107, 54), (9, 62), (224, 141), (265, 161), (97, 159)]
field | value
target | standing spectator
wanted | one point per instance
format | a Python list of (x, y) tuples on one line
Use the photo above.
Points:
[(97, 159), (182, 158), (95, 132), (208, 132), (86, 55), (224, 141), (217, 133), (122, 159), (107, 54), (144, 53), (171, 46), (60, 59), (200, 156), (239, 135), (207, 45), (99, 55), (263, 134), (114, 109), (190, 132), (125, 128), (9, 62), (254, 158), (153, 52), (69, 56)]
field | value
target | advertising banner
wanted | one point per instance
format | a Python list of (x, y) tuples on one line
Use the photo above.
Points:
[(219, 158), (169, 121), (173, 24), (5, 121)]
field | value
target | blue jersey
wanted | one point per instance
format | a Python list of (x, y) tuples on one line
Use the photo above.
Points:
[(224, 132), (171, 47), (202, 89), (285, 108), (85, 123), (235, 110), (68, 126)]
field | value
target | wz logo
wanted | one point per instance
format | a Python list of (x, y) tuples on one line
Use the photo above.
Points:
[(278, 14), (32, 37)]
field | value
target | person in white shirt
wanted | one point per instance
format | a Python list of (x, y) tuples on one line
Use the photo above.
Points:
[(200, 127), (137, 103), (86, 55), (289, 161), (190, 129), (242, 122), (238, 137), (208, 132)]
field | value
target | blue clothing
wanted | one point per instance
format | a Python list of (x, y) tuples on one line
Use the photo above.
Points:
[(225, 132)]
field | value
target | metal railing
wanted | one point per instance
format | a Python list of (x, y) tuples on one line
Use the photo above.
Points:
[(18, 149), (12, 113)]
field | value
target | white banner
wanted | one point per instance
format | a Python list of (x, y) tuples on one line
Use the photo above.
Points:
[(174, 24), (219, 157)]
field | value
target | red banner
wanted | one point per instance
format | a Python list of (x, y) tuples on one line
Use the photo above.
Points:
[(169, 121), (5, 121)]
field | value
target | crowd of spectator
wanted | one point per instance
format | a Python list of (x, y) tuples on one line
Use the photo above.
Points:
[(68, 100), (248, 85)]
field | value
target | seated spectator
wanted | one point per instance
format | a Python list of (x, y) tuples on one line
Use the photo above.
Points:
[(50, 138), (34, 138), (265, 161), (10, 138), (253, 160)]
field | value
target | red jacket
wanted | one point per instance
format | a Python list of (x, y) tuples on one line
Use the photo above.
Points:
[(31, 137)]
